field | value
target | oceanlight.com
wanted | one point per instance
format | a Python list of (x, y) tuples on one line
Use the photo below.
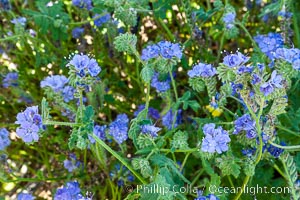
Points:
[(213, 189)]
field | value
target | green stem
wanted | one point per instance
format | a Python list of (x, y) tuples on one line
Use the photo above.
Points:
[(117, 156), (47, 122), (247, 33), (13, 37), (291, 148), (184, 161), (180, 150), (197, 177), (176, 98), (242, 188), (162, 23), (279, 171), (295, 23)]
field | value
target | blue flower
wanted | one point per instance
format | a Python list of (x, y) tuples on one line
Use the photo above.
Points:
[(244, 69), (93, 68), (276, 151), (276, 79), (152, 112), (72, 164), (10, 79), (266, 88), (83, 4), (269, 43), (151, 51), (4, 138), (25, 196), (118, 128), (215, 140), (228, 19), (101, 20), (160, 85), (80, 62), (30, 124), (151, 130), (5, 5), (244, 123), (167, 119), (19, 21), (77, 32), (248, 152), (71, 192), (56, 82), (68, 93), (202, 70), (255, 79), (169, 50), (290, 55), (234, 60), (99, 131)]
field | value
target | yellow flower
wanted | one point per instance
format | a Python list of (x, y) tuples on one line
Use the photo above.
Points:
[(215, 112)]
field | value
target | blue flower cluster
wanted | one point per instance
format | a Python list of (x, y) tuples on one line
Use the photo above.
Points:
[(152, 112), (19, 21), (150, 129), (25, 196), (215, 140), (269, 43), (83, 65), (99, 131), (5, 5), (56, 82), (30, 124), (289, 55), (167, 119), (70, 191), (275, 81), (245, 123), (165, 49), (160, 83), (72, 164), (4, 138), (118, 128), (83, 4), (202, 70), (101, 20), (228, 19), (77, 32), (275, 151), (10, 79), (235, 60)]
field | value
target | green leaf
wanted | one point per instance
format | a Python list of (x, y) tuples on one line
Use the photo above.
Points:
[(126, 43), (179, 140), (88, 114), (228, 166), (147, 73)]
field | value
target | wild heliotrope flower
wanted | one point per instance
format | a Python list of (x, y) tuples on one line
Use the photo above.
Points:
[(150, 129), (169, 50), (215, 140), (99, 131), (10, 79), (228, 19), (30, 124), (269, 43), (77, 32), (83, 4), (71, 191), (71, 164), (208, 197), (5, 5), (118, 128), (275, 151), (25, 196), (255, 79), (160, 84), (152, 112), (165, 49), (56, 82), (245, 123), (290, 55), (202, 70), (167, 119), (84, 65), (101, 20), (235, 60), (68, 93), (151, 51), (19, 21), (275, 81), (4, 138)]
